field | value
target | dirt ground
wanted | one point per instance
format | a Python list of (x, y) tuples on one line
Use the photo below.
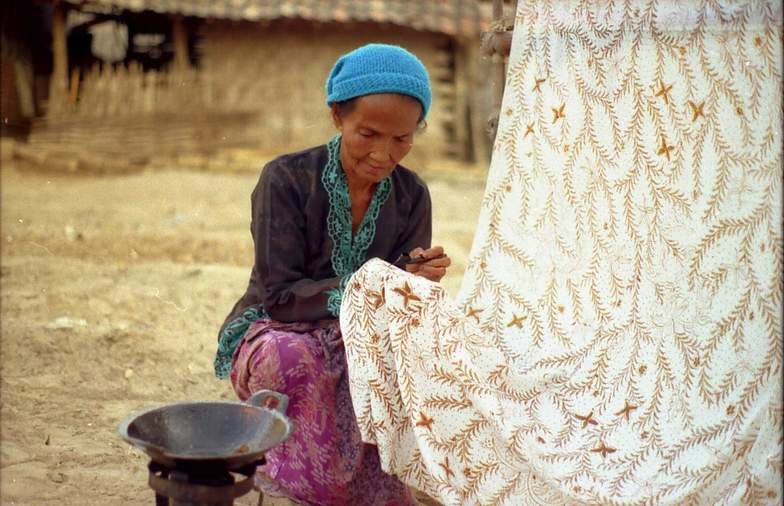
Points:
[(113, 288)]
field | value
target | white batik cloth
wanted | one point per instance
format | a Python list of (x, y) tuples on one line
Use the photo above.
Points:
[(617, 338)]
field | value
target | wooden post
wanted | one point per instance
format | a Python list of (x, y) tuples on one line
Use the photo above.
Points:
[(58, 87), (499, 74), (478, 120), (23, 74), (180, 39), (462, 76), (73, 94)]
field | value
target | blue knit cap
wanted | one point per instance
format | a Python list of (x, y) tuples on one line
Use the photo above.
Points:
[(379, 68)]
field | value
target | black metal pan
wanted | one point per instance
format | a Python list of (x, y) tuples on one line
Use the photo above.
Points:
[(210, 435)]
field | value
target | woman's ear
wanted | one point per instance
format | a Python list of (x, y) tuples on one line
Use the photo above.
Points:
[(336, 119)]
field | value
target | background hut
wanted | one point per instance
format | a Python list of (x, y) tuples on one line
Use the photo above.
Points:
[(24, 64), (137, 79)]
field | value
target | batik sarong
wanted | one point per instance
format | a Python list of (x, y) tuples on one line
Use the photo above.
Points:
[(324, 461)]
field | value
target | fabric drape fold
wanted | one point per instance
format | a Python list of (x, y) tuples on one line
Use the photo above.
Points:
[(617, 337)]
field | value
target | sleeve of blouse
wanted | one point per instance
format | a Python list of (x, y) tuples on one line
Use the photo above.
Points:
[(278, 229), (418, 232)]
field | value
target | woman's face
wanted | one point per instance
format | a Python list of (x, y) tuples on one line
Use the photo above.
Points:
[(378, 133)]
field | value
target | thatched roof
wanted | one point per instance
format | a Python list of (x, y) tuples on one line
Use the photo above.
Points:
[(451, 17)]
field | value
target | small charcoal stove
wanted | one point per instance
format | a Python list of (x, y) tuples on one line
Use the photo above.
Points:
[(192, 487), (198, 449), (206, 486)]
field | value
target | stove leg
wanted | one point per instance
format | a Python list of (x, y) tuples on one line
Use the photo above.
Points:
[(228, 502)]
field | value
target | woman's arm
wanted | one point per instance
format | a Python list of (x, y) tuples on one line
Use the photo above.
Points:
[(419, 223), (416, 240), (278, 227)]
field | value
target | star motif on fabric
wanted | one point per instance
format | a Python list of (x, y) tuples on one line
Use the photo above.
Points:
[(603, 449), (407, 294), (517, 321), (696, 110), (376, 299), (742, 189), (665, 149), (663, 91), (529, 129), (558, 112), (474, 312), (627, 409), (758, 41), (424, 421), (587, 419), (538, 83), (445, 466)]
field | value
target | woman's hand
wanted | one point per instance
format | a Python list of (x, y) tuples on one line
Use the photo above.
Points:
[(433, 269)]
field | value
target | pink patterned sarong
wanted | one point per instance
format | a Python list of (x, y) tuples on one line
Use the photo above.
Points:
[(324, 461)]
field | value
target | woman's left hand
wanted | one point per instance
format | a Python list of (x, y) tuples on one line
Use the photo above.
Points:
[(433, 269)]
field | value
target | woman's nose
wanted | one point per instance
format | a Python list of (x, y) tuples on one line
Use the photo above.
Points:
[(379, 157), (381, 151)]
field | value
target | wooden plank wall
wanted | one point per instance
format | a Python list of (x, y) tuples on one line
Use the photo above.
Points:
[(258, 86), (112, 91), (279, 70)]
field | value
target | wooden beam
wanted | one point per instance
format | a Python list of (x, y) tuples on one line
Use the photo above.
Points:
[(461, 120), (480, 144), (58, 87), (76, 77), (180, 39), (499, 72), (498, 9), (499, 43), (96, 20), (23, 75)]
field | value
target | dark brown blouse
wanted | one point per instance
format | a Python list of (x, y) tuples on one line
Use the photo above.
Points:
[(292, 270)]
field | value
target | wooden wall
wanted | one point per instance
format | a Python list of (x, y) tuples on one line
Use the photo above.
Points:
[(279, 69), (257, 86)]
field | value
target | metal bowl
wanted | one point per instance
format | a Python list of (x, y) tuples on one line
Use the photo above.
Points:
[(214, 435)]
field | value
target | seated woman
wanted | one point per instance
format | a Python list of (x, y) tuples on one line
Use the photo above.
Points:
[(317, 216)]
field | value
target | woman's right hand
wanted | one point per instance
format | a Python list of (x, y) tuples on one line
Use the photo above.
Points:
[(433, 269)]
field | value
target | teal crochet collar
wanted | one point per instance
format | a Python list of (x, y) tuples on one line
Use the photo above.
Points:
[(348, 251)]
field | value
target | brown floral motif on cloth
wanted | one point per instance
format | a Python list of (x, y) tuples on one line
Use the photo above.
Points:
[(617, 338)]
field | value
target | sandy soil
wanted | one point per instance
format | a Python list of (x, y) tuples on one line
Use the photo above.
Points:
[(113, 288)]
